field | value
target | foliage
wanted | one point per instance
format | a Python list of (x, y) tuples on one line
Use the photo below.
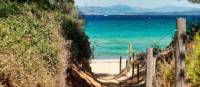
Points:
[(33, 44), (141, 56), (30, 32), (194, 1), (29, 42), (165, 74), (16, 74), (8, 8), (192, 28), (73, 27), (193, 63), (25, 36), (156, 49), (43, 3)]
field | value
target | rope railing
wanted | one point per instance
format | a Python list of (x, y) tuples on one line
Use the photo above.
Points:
[(178, 53)]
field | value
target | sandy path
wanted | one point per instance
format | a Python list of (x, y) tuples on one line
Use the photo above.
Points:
[(111, 68), (108, 71), (106, 66)]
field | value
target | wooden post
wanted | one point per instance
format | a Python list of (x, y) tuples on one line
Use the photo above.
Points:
[(138, 72), (150, 68), (129, 49), (180, 51), (154, 72), (133, 67), (129, 60), (120, 64), (133, 57), (126, 62)]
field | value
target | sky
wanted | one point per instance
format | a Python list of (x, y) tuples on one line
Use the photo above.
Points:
[(136, 3)]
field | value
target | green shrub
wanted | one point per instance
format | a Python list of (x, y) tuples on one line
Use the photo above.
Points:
[(26, 36), (193, 63), (28, 46), (30, 40), (156, 49)]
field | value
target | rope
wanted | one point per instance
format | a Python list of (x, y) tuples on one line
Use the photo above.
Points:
[(162, 38)]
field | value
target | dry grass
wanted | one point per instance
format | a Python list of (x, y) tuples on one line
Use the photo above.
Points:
[(28, 50), (15, 74), (63, 54), (165, 74)]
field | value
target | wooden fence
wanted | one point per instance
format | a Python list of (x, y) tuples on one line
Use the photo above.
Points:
[(150, 61)]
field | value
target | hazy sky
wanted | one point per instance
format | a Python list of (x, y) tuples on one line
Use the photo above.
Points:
[(136, 3)]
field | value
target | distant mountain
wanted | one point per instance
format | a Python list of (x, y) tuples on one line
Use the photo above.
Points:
[(173, 9), (193, 12), (116, 9), (126, 10)]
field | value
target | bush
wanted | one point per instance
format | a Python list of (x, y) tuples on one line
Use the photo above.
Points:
[(193, 63), (30, 42), (156, 49), (28, 46), (16, 74), (25, 36), (165, 74)]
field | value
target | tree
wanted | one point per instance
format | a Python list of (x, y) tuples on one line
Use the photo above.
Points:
[(194, 1)]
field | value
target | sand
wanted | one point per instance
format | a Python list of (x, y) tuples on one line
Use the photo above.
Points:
[(106, 66), (111, 70)]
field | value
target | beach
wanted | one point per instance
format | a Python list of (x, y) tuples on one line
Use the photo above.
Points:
[(106, 66)]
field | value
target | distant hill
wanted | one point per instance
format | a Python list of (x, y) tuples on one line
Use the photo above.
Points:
[(126, 10), (193, 12), (117, 9)]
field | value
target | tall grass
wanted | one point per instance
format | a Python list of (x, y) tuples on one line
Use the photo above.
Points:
[(16, 74), (165, 74), (193, 63)]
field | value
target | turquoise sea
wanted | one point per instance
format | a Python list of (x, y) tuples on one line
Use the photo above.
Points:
[(110, 35)]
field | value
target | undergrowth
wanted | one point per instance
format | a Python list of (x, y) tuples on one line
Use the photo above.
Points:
[(165, 74), (193, 63), (33, 45), (29, 40)]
